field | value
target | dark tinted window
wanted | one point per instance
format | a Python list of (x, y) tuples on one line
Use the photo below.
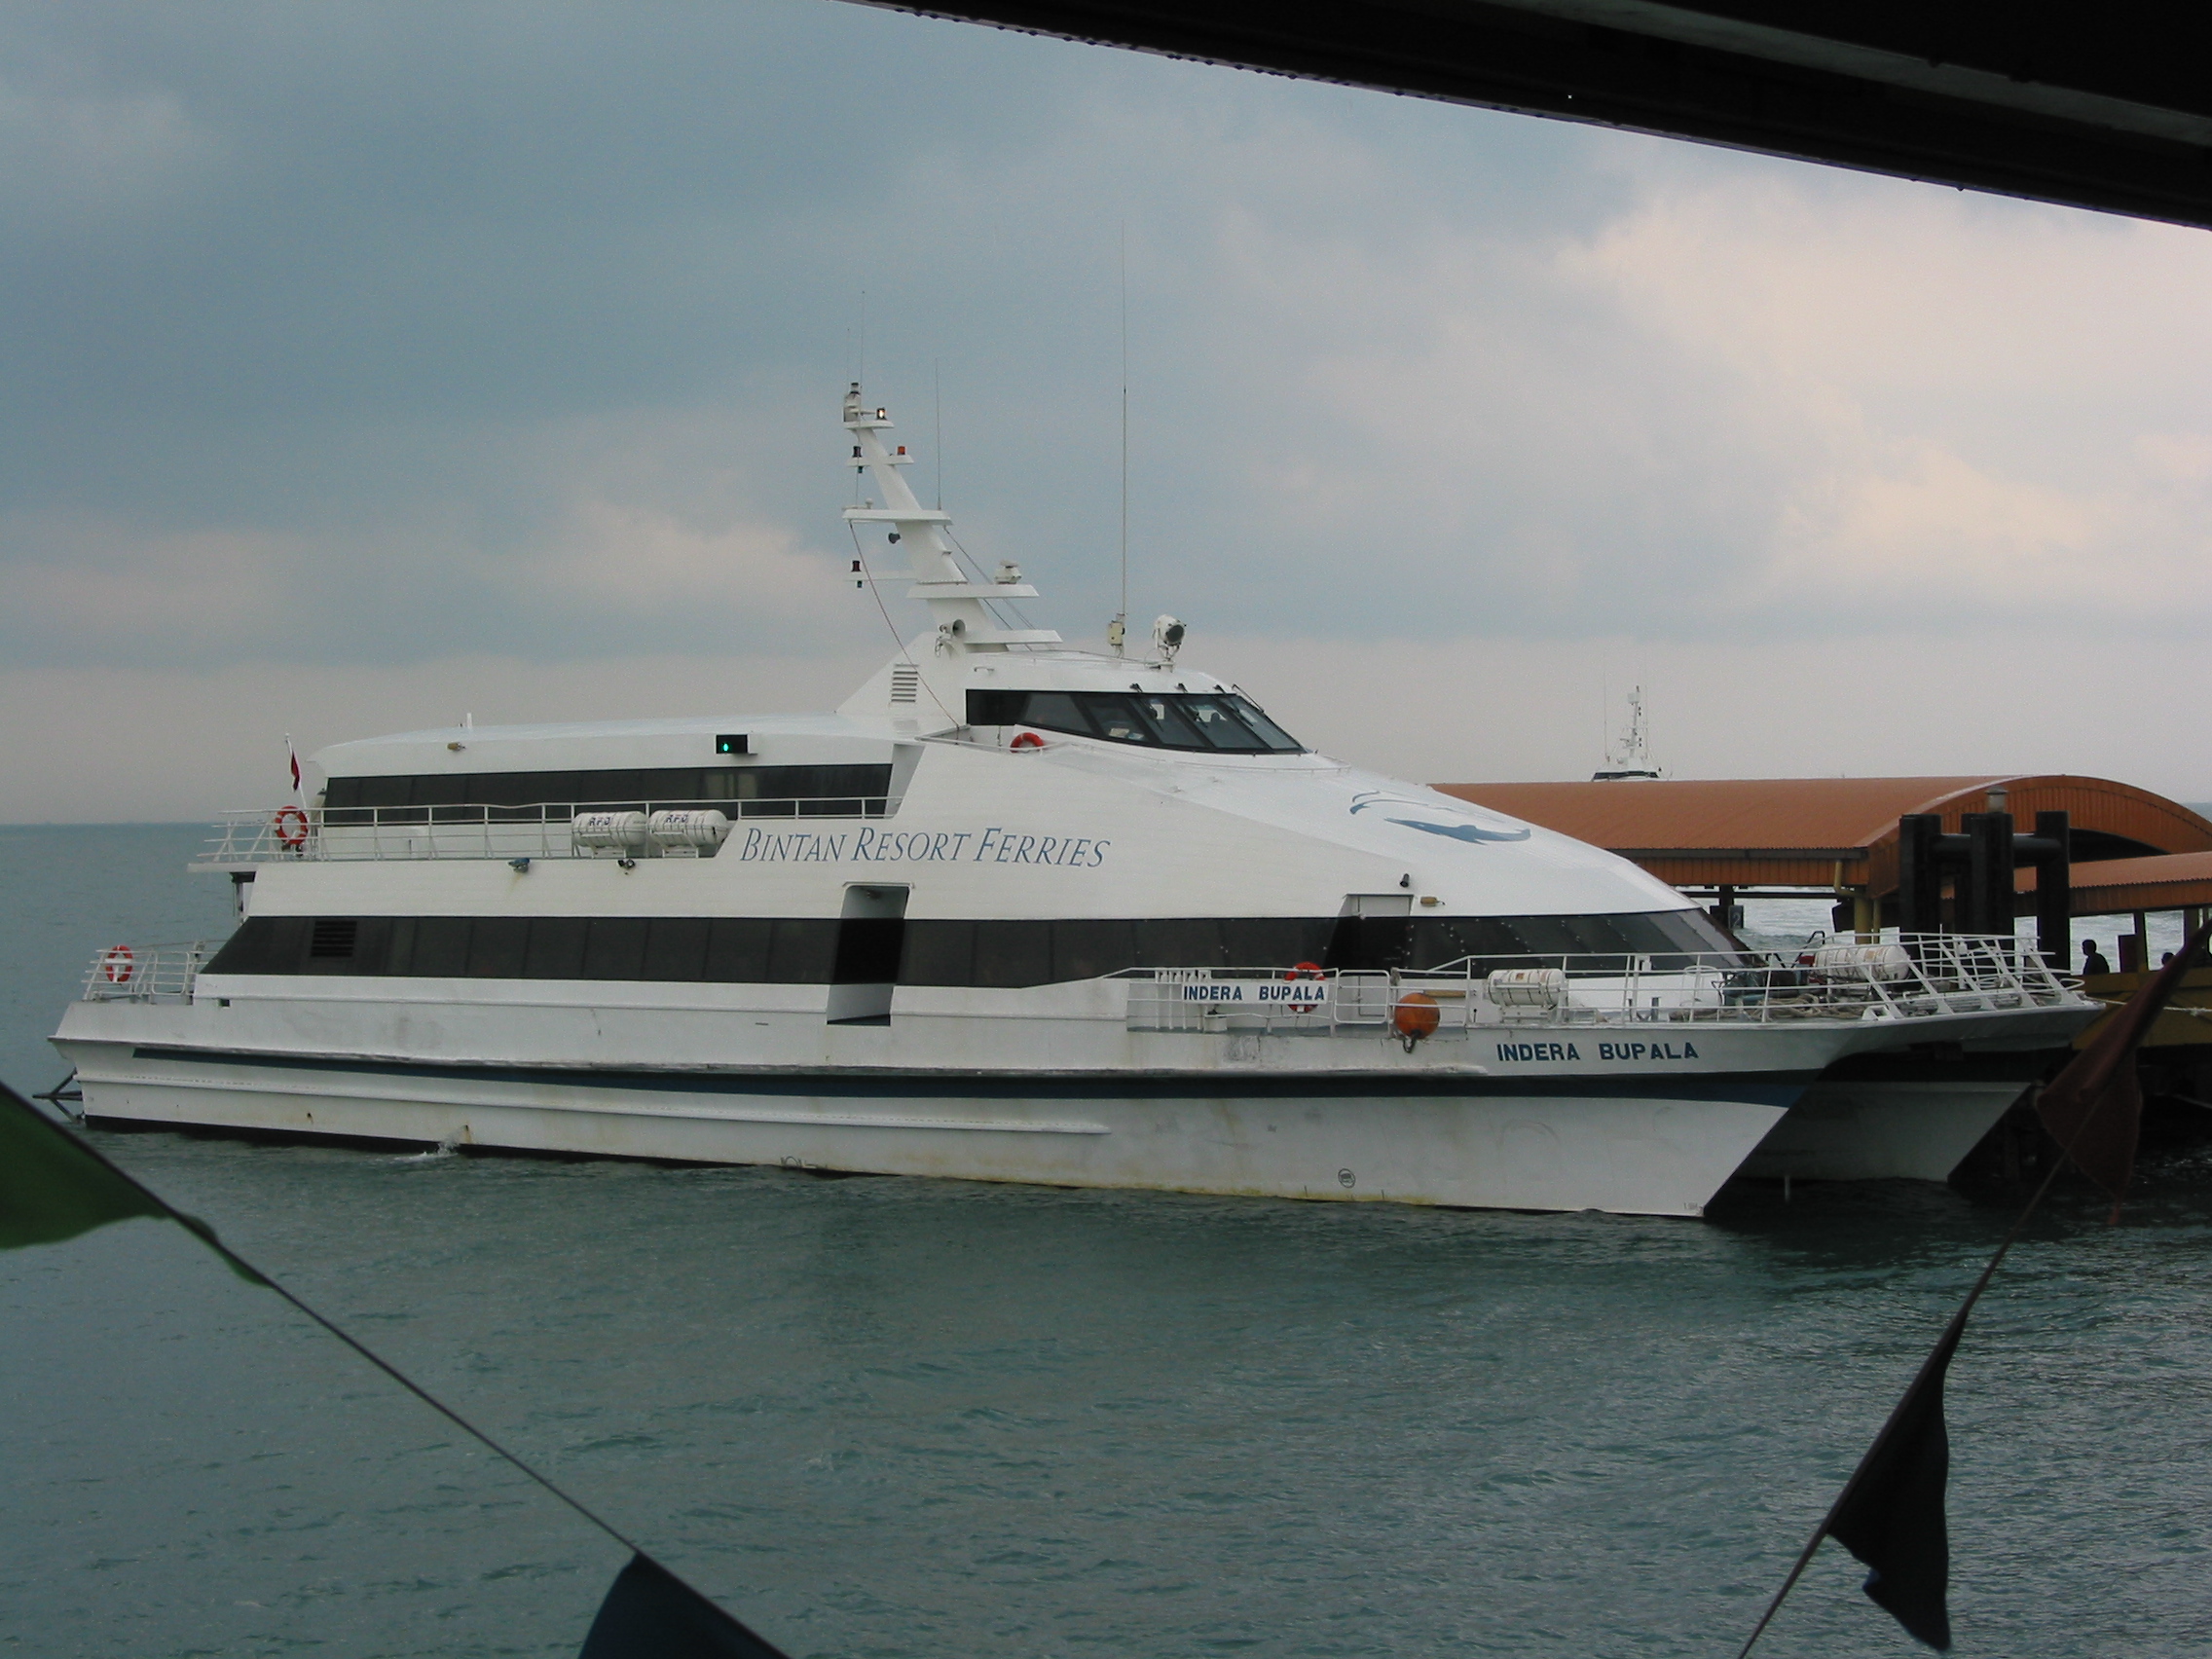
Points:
[(939, 953), (1605, 944), (1218, 724), (996, 708), (1177, 942), (811, 950), (263, 945), (1270, 733), (497, 947), (836, 791), (1214, 721), (555, 948), (1013, 953), (1117, 720), (372, 945), (1547, 935), (737, 951), (1688, 931), (1170, 728), (1057, 710), (801, 950), (1272, 942), (441, 947), (676, 948), (1089, 950), (614, 948)]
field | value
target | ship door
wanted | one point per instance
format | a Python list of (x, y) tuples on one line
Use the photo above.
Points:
[(1374, 933), (872, 934)]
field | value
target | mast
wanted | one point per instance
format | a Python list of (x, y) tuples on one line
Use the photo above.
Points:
[(1632, 758), (955, 603)]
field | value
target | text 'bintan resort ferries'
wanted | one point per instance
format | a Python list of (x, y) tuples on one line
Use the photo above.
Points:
[(1023, 913)]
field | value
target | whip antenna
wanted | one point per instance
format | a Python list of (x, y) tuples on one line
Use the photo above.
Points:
[(1120, 630)]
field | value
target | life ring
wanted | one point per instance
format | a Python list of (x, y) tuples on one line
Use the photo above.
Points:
[(1305, 971), (118, 963), (1026, 740), (291, 826)]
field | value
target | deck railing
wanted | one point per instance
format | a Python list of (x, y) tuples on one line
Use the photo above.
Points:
[(152, 972), (292, 833), (1917, 977)]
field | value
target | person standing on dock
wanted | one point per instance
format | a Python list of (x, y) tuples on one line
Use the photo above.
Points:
[(2092, 959)]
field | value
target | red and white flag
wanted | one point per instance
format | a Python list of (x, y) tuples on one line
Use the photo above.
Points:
[(294, 753)]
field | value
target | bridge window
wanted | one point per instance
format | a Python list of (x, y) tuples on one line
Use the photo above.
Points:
[(1220, 721)]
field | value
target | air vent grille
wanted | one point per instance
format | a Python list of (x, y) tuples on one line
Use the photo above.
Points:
[(332, 939), (905, 683)]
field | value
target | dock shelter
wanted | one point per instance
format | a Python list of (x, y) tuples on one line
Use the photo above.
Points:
[(1726, 839)]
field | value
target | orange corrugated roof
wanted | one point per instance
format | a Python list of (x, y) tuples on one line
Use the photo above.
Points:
[(1794, 813), (1798, 832), (2169, 881)]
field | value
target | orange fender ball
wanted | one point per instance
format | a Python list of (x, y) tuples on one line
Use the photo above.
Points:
[(1417, 1015)]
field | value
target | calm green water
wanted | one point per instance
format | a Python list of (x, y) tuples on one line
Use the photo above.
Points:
[(893, 1416)]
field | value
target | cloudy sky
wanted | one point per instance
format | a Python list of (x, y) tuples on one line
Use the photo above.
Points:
[(365, 365)]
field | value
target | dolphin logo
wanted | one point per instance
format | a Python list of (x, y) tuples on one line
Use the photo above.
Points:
[(1464, 831), (1469, 833)]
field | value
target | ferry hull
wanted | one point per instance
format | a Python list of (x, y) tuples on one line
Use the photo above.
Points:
[(1330, 1138), (1913, 1116), (1876, 1131), (1059, 1086)]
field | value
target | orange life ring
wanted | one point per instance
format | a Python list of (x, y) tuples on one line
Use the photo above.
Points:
[(1026, 740), (118, 963), (1305, 971), (291, 824)]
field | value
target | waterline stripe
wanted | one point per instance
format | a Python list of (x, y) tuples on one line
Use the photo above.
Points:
[(1777, 1088)]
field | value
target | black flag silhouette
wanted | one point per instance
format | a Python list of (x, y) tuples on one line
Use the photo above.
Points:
[(1891, 1516), (650, 1613)]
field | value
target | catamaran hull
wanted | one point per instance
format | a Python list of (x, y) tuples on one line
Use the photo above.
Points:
[(1882, 1130), (1649, 1154), (1914, 1115), (1653, 1148), (1052, 1086)]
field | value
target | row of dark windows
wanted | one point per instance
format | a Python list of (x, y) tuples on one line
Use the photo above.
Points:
[(813, 951), (1218, 721), (474, 797)]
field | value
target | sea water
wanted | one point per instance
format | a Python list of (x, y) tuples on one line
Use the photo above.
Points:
[(891, 1416)]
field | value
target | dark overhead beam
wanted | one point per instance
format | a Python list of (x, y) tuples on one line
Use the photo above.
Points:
[(2106, 106)]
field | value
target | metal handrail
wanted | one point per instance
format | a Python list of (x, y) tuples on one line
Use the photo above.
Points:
[(1915, 977), (152, 972), (290, 834)]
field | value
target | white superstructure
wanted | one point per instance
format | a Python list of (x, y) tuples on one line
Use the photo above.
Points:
[(1019, 912)]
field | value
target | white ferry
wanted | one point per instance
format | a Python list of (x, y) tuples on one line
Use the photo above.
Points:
[(1023, 913)]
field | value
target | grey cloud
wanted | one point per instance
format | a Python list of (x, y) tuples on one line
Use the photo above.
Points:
[(387, 333)]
